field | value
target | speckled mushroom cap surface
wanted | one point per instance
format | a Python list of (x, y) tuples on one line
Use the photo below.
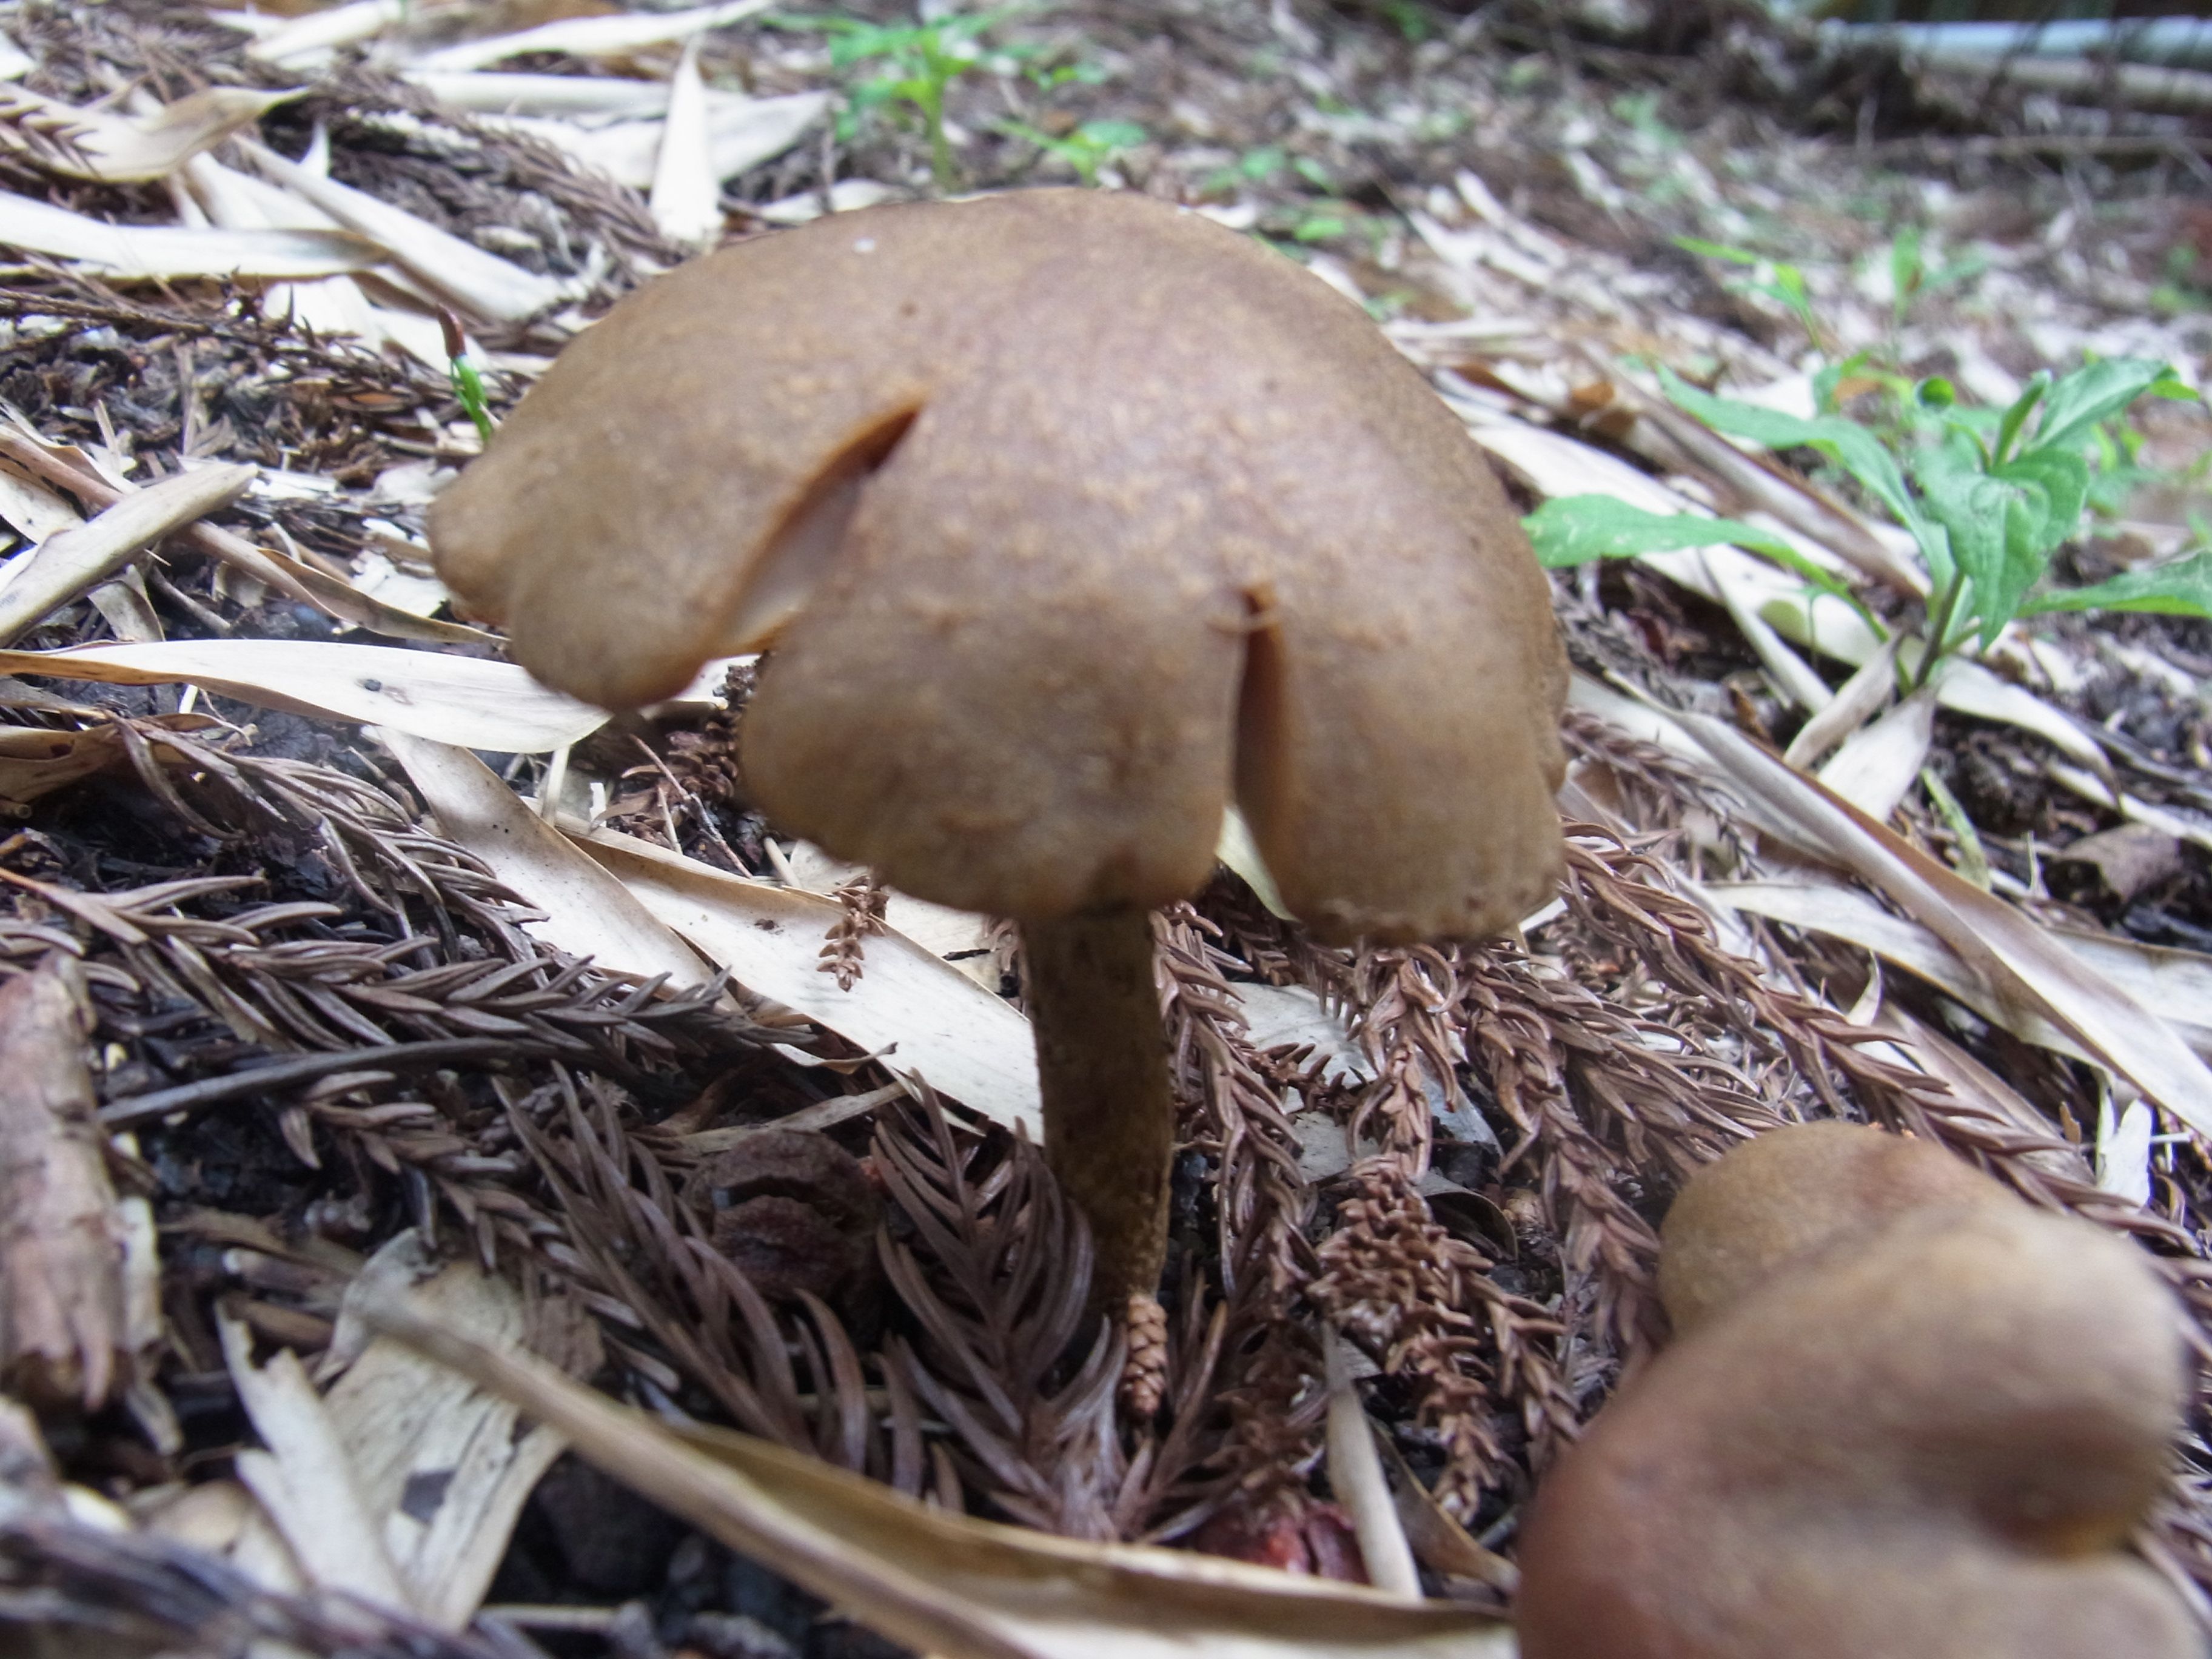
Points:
[(1904, 1413), (1071, 518)]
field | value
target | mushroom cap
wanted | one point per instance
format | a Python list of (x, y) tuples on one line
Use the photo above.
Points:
[(1931, 1437), (1071, 517), (1789, 1193)]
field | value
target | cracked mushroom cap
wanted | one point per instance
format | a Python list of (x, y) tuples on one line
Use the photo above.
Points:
[(1908, 1428), (1071, 518)]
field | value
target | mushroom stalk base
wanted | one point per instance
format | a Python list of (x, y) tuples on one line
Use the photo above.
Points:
[(1108, 1104)]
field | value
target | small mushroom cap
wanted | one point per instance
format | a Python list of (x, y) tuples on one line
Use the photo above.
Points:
[(1931, 1438), (1071, 518), (1787, 1195)]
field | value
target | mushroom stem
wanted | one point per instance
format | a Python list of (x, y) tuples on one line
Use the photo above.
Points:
[(1108, 1105)]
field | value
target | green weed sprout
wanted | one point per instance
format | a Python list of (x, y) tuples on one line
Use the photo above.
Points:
[(1988, 497), (463, 373), (1773, 278), (1088, 149), (915, 64)]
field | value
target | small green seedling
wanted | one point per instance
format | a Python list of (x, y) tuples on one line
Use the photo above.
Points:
[(463, 373), (1772, 278), (913, 65), (1088, 149)]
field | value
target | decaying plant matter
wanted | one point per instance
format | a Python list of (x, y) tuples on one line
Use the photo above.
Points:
[(65, 1315), (287, 1014)]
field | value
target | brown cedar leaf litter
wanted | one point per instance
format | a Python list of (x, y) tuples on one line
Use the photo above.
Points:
[(314, 1019)]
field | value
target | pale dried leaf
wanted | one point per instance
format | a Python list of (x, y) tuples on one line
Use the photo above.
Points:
[(1238, 850), (69, 563), (117, 148), (1879, 763), (1857, 700), (35, 761), (63, 1335), (846, 196), (406, 1422), (592, 37), (946, 1584), (2124, 1144), (934, 1020), (31, 507), (490, 93), (1968, 687), (2136, 810), (434, 694), (741, 133), (2026, 969), (1846, 913), (686, 198), (1356, 1477), (310, 38), (936, 927), (304, 1480), (480, 283), (1791, 674), (153, 252), (587, 912), (2175, 984)]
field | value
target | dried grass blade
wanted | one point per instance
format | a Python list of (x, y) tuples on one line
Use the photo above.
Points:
[(1878, 763), (155, 252), (306, 1480), (944, 1583), (482, 285), (447, 699), (69, 563), (1847, 914), (310, 37), (935, 1020), (2027, 970), (71, 468), (587, 912), (487, 92), (686, 198), (64, 1329), (1857, 701), (99, 144), (594, 37), (1355, 1475)]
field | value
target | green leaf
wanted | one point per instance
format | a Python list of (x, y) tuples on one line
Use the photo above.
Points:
[(2077, 402), (2183, 588), (1843, 441), (1111, 135), (1734, 256), (2016, 417), (1573, 530), (2004, 521)]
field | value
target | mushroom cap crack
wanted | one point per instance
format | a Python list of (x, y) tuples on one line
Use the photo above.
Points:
[(1071, 518)]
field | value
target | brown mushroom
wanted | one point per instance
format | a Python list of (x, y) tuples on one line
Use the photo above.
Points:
[(1071, 519), (1787, 1195), (1909, 1414)]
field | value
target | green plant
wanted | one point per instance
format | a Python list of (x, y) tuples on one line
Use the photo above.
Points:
[(1775, 279), (913, 64), (1910, 276), (1988, 497), (1090, 148), (463, 373)]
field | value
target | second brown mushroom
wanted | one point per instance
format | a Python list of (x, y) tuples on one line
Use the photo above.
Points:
[(1904, 1413), (1069, 519)]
